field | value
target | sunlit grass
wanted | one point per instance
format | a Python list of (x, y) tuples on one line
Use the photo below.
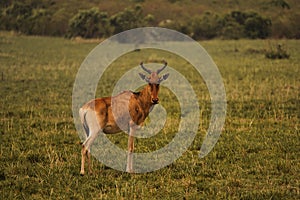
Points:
[(256, 157)]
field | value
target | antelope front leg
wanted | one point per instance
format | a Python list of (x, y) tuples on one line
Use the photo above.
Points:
[(129, 167)]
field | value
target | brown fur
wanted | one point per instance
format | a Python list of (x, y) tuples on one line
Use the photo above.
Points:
[(126, 111)]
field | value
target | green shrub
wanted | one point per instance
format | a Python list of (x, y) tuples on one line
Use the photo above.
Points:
[(280, 3), (232, 30), (28, 17), (15, 17), (257, 26), (128, 19), (89, 23), (181, 26), (239, 24), (206, 26), (279, 53)]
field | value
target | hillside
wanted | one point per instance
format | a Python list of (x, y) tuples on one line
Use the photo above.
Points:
[(53, 17)]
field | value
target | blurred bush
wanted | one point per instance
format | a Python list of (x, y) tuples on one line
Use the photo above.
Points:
[(89, 24), (35, 17)]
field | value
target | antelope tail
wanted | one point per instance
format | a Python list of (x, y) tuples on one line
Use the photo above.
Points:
[(82, 114)]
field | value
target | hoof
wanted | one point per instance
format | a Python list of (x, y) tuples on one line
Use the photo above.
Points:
[(130, 171)]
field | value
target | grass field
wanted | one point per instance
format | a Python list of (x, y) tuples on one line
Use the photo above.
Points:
[(256, 157)]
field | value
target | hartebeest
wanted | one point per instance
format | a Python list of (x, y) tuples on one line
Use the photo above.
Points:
[(125, 111)]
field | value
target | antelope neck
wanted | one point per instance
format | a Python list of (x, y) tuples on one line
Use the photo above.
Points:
[(145, 98)]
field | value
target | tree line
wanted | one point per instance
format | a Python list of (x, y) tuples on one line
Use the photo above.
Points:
[(35, 19)]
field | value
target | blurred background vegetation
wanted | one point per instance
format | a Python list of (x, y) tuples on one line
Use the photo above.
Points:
[(200, 19)]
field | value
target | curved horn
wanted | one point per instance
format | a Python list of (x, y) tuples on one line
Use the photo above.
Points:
[(159, 70), (144, 68)]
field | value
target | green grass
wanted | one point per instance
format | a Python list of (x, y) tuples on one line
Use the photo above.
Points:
[(256, 157)]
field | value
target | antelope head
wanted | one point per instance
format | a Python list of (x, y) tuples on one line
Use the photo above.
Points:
[(153, 81)]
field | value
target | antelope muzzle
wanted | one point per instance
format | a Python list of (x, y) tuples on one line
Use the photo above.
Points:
[(155, 100)]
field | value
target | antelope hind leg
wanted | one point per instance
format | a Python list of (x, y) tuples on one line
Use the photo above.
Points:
[(88, 154), (83, 154), (94, 129)]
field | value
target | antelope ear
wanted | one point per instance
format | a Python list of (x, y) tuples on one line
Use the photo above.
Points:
[(165, 76), (144, 77)]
